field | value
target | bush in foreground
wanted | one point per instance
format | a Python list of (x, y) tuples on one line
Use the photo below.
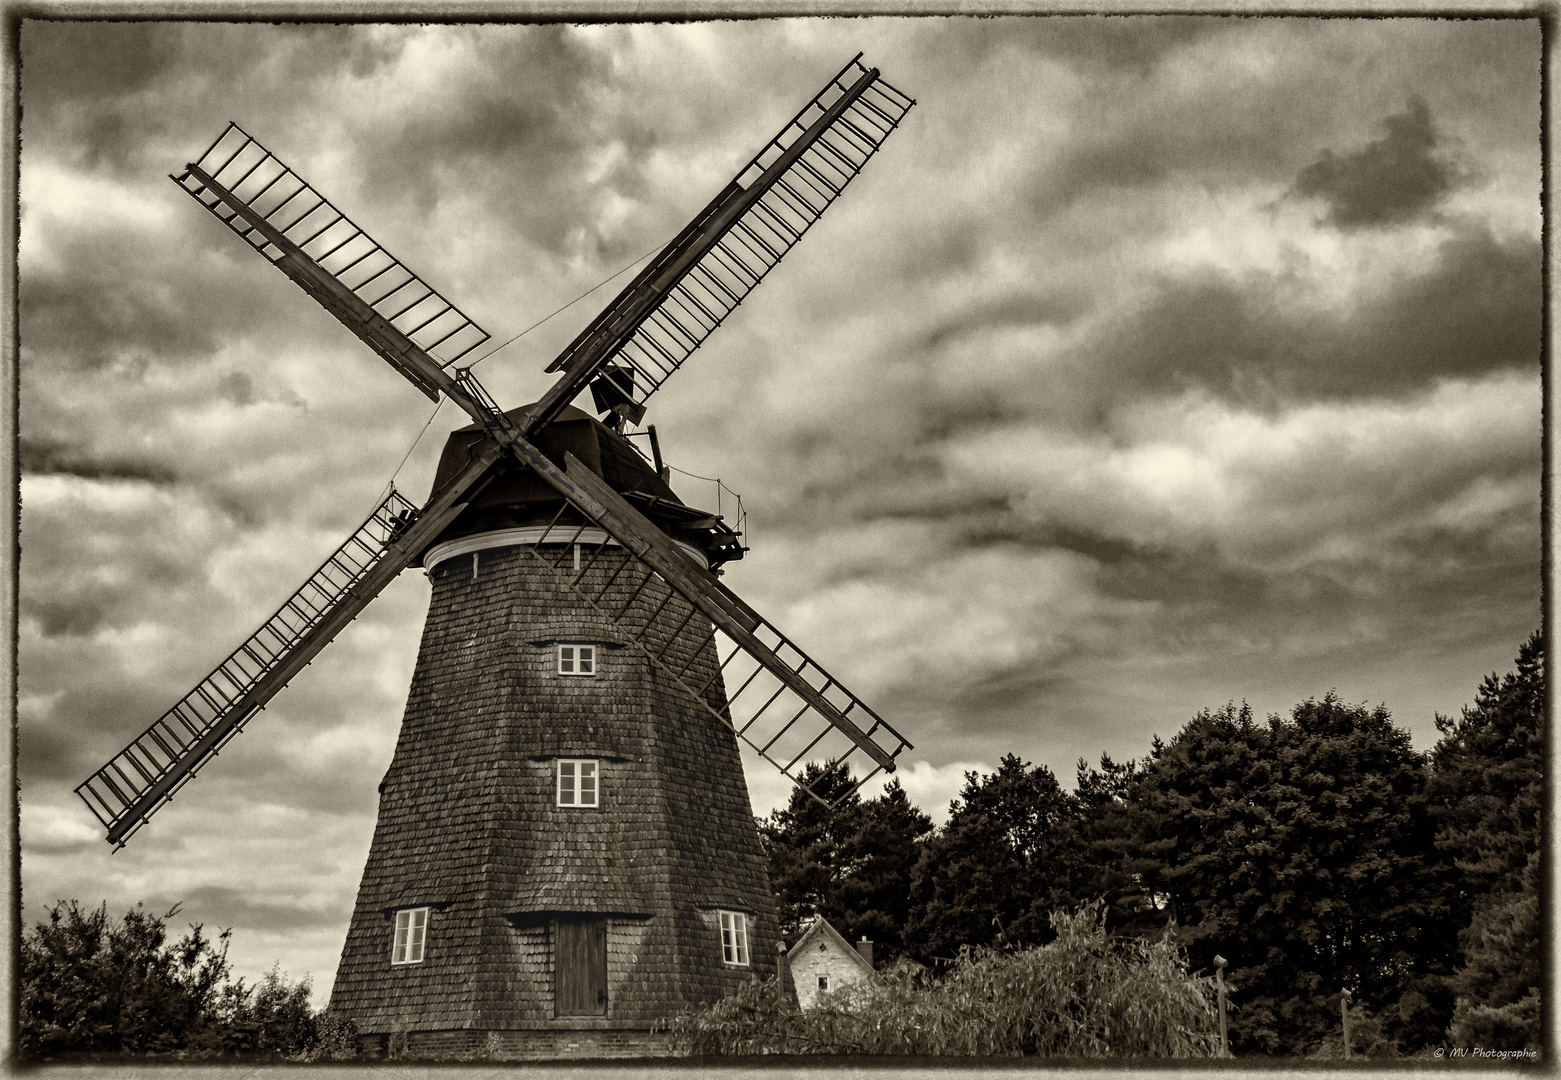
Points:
[(95, 986), (1083, 995)]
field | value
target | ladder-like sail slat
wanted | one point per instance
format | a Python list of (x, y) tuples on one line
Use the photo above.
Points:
[(776, 657), (247, 187), (785, 724), (834, 135), (211, 702), (126, 791)]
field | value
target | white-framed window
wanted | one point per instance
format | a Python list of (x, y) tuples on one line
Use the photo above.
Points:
[(411, 932), (576, 659), (823, 982), (577, 782), (734, 938)]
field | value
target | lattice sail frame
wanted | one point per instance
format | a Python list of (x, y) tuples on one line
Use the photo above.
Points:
[(197, 727), (305, 220), (677, 301), (142, 777)]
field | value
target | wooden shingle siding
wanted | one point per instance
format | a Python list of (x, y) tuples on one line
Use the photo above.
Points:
[(468, 820)]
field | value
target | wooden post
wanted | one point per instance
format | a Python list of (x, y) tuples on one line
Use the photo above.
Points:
[(782, 969), (1344, 1011), (1219, 979)]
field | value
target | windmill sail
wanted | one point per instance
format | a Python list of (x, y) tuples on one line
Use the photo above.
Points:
[(777, 721), (666, 313), (137, 781), (373, 293), (787, 707)]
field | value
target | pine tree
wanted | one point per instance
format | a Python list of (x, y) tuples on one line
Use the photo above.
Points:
[(1009, 855), (1487, 793), (851, 864), (873, 896)]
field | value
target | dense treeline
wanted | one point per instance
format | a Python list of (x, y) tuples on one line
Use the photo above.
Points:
[(92, 985), (1314, 852)]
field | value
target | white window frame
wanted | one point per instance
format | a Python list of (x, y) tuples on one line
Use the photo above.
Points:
[(823, 982), (408, 944), (576, 658), (571, 774), (734, 938)]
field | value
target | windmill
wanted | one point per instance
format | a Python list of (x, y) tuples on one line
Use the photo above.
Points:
[(564, 841)]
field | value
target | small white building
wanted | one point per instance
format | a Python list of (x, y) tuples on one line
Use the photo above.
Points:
[(822, 960)]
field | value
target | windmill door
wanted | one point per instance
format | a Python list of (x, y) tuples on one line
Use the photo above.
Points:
[(580, 964)]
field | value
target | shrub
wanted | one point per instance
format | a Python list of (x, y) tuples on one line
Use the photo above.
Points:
[(91, 986), (1083, 995)]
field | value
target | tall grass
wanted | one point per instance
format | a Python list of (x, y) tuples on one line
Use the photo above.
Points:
[(1083, 995)]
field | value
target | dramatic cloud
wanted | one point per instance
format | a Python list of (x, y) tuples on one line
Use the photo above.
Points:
[(45, 456), (1153, 363), (1474, 307), (1393, 179)]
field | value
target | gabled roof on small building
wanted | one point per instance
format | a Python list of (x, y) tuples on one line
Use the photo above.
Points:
[(821, 931)]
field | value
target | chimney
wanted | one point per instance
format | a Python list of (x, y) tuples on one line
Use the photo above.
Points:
[(865, 948)]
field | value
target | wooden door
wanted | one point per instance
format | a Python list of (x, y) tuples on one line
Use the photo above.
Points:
[(580, 967)]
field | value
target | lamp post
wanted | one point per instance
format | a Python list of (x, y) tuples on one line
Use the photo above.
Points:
[(1219, 980)]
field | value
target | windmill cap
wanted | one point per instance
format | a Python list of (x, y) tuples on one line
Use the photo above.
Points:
[(568, 414), (573, 431), (515, 497)]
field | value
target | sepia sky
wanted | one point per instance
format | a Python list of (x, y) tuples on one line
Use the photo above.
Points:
[(1152, 364)]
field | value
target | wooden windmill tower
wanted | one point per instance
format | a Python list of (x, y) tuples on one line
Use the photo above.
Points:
[(565, 842)]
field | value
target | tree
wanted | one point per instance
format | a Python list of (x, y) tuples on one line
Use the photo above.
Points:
[(873, 898), (272, 1017), (1498, 988), (1487, 784), (1487, 795), (1302, 850), (852, 864), (1008, 856), (1109, 821)]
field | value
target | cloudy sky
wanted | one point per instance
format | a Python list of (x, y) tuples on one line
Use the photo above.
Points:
[(1153, 363)]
